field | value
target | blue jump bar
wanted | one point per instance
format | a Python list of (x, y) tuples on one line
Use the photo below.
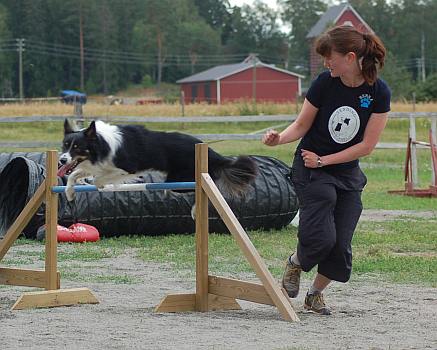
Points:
[(130, 187)]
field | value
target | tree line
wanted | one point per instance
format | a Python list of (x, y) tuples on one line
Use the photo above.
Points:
[(102, 46)]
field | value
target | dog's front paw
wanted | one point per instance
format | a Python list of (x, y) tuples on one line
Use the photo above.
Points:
[(99, 183), (69, 193)]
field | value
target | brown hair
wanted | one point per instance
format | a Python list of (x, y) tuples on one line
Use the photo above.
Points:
[(344, 39)]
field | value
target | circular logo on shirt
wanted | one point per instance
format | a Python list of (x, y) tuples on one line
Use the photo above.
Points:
[(344, 124)]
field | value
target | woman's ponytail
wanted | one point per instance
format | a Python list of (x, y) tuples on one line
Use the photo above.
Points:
[(373, 56), (368, 48)]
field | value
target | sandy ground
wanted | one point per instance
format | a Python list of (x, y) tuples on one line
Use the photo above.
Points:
[(367, 314), (383, 215)]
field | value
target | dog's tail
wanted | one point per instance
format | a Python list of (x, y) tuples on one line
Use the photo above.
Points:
[(233, 176)]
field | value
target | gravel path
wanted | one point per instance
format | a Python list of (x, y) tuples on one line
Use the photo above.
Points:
[(367, 314)]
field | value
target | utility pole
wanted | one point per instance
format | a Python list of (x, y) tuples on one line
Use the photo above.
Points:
[(418, 65), (422, 46), (82, 64), (20, 49)]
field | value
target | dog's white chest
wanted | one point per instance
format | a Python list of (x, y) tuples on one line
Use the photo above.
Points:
[(102, 169)]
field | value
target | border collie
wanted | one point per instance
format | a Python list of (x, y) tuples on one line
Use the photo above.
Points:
[(115, 154)]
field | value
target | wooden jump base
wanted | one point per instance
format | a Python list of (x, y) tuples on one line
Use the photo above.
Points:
[(411, 168), (49, 278), (212, 292), (218, 293)]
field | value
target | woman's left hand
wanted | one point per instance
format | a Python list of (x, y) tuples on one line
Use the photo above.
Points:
[(309, 158)]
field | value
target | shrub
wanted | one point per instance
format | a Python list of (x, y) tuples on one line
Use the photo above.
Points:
[(427, 90)]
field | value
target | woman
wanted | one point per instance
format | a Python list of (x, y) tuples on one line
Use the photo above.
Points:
[(342, 118)]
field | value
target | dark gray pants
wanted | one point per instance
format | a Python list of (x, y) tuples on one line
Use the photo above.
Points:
[(329, 209)]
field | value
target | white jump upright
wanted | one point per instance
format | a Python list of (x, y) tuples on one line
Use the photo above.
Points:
[(49, 278), (219, 293)]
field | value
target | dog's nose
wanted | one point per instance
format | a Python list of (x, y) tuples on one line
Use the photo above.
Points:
[(63, 160)]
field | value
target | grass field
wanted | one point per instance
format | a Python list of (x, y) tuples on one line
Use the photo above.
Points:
[(399, 251), (384, 168), (95, 108)]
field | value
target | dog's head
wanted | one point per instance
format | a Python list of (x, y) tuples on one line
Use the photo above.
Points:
[(76, 146)]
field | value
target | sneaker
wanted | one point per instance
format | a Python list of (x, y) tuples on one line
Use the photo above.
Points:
[(315, 302), (291, 278)]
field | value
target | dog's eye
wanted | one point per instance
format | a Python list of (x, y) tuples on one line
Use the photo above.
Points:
[(75, 146), (66, 144)]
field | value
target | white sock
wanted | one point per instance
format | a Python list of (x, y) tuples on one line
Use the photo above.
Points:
[(313, 289), (294, 259)]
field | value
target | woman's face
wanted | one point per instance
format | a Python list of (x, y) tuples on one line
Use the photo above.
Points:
[(336, 62)]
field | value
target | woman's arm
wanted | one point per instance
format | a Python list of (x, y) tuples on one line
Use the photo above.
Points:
[(295, 130), (373, 131)]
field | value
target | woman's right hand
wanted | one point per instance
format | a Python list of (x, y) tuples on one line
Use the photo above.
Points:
[(271, 138)]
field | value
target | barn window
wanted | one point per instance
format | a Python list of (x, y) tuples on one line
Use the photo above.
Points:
[(193, 93), (208, 92)]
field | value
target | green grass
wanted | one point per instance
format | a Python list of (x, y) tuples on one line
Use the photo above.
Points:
[(97, 278), (400, 251), (396, 130), (85, 252), (384, 168)]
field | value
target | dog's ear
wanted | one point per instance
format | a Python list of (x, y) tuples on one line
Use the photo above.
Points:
[(70, 127), (91, 132)]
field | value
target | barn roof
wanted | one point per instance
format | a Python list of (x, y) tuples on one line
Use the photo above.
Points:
[(220, 72), (331, 16)]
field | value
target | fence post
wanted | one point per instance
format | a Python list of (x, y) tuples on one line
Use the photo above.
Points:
[(434, 140), (182, 103), (414, 173), (78, 112)]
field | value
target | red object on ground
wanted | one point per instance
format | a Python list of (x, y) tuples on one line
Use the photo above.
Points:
[(76, 233)]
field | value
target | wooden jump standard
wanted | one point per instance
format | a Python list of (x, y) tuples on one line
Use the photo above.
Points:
[(212, 292), (49, 278), (218, 293)]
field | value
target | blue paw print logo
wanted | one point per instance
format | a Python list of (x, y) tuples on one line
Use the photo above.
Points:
[(365, 101)]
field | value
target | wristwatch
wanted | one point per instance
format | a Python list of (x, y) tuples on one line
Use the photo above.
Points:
[(319, 162)]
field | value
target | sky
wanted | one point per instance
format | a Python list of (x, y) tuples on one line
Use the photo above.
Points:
[(271, 3)]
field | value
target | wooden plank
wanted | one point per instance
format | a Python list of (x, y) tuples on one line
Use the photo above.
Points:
[(55, 298), (187, 302), (22, 220), (220, 303), (51, 240), (194, 119), (177, 303), (201, 208), (205, 137), (248, 249), (24, 277), (237, 289)]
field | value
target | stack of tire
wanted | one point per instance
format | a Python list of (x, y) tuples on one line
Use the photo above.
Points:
[(270, 203)]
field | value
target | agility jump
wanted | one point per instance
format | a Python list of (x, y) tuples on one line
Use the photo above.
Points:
[(212, 292)]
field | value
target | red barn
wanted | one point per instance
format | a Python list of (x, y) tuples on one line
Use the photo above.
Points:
[(343, 14), (242, 81)]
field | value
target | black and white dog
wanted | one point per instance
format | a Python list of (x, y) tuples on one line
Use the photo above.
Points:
[(114, 154)]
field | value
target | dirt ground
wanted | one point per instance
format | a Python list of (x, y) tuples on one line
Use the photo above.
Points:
[(367, 314)]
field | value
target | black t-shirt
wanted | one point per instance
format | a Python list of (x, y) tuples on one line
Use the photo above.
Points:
[(343, 114)]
